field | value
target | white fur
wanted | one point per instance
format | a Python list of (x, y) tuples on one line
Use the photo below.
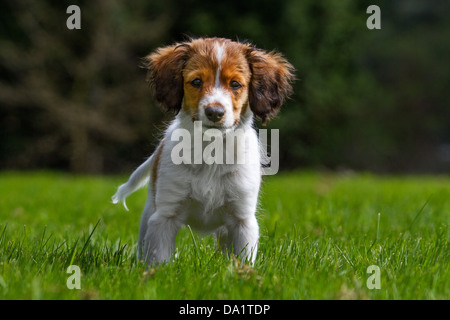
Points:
[(219, 55), (216, 198)]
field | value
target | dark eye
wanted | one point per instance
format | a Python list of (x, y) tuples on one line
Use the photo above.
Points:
[(197, 83), (235, 85)]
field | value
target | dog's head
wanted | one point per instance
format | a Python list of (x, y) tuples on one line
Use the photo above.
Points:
[(216, 80)]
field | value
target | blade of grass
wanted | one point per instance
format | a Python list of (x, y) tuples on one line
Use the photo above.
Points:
[(418, 214), (89, 238), (195, 245)]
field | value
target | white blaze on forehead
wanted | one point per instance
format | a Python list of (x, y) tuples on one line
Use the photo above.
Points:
[(219, 55)]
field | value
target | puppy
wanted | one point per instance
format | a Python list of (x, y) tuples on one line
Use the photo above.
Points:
[(216, 87)]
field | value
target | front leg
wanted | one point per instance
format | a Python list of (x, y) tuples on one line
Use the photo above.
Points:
[(159, 240), (243, 235), (240, 221)]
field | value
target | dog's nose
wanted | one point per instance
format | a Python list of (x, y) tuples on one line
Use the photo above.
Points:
[(214, 113)]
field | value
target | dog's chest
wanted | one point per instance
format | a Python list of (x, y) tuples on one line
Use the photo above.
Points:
[(210, 184)]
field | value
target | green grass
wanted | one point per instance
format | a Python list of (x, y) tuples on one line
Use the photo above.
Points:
[(319, 234)]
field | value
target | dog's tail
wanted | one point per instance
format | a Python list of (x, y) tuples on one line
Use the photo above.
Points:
[(138, 179)]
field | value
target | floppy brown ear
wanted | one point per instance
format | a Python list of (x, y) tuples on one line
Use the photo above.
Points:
[(270, 83), (165, 67)]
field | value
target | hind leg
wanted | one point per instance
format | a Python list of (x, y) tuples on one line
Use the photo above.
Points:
[(148, 211), (146, 214)]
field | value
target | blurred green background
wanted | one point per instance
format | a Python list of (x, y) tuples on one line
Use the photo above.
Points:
[(369, 100)]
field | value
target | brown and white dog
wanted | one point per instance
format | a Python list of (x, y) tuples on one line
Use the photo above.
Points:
[(223, 85)]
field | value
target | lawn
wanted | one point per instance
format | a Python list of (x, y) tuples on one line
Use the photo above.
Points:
[(319, 234)]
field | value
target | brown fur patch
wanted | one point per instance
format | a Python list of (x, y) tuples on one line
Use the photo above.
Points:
[(235, 67), (272, 76), (165, 68)]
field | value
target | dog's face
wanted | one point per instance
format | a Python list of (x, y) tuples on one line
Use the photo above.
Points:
[(216, 80)]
